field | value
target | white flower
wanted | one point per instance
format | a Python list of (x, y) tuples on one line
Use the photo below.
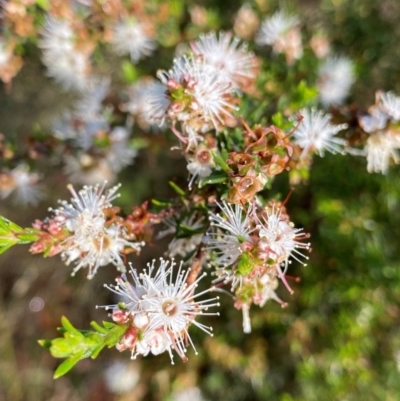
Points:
[(91, 200), (83, 131), (121, 377), (170, 305), (190, 393), (336, 76), (282, 33), (206, 90), (381, 147), (92, 242), (236, 229), (148, 103), (120, 153), (389, 104), (279, 240), (375, 120), (224, 53), (200, 164), (57, 37), (130, 37), (65, 63), (89, 106), (316, 133), (22, 184), (275, 27), (69, 69), (86, 169)]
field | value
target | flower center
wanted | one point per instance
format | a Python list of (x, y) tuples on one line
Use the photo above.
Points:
[(169, 308)]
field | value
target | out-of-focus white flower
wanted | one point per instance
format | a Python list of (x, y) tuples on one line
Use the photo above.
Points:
[(65, 63), (246, 22), (86, 169), (70, 126), (93, 242), (273, 28), (130, 37), (22, 184), (232, 230), (57, 37), (230, 58), (170, 305), (281, 32), (389, 104), (336, 76), (376, 120), (381, 147), (147, 103), (69, 69), (120, 154), (316, 133), (190, 393), (89, 106), (121, 377)]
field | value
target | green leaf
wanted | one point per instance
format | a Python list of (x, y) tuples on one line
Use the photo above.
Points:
[(217, 177), (176, 188), (69, 327), (161, 203), (79, 344), (67, 365), (7, 226), (220, 161)]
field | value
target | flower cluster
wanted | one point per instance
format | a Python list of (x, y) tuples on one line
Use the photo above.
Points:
[(252, 250), (159, 309), (87, 231), (199, 94), (381, 123)]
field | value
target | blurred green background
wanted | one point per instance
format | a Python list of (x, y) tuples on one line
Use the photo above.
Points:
[(339, 339)]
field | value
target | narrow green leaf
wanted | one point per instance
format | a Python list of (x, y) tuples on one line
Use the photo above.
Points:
[(220, 161), (9, 226), (217, 177), (161, 203), (176, 188), (67, 365), (98, 328), (69, 327)]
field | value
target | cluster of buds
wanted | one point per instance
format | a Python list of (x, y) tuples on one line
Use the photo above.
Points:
[(382, 125), (159, 309), (252, 250), (266, 154), (89, 232)]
